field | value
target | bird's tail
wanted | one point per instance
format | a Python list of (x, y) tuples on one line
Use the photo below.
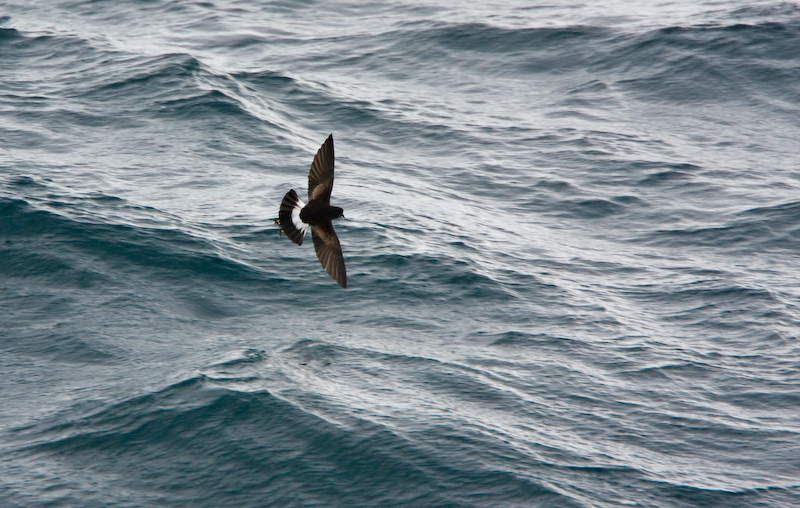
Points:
[(289, 218)]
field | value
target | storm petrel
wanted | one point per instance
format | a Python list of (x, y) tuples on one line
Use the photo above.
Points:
[(295, 217)]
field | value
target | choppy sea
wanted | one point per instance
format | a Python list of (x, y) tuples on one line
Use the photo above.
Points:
[(572, 238)]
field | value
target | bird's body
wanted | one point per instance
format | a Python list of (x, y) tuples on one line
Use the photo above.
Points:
[(295, 217), (316, 213)]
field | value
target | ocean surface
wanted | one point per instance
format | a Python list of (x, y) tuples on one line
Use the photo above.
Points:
[(572, 238)]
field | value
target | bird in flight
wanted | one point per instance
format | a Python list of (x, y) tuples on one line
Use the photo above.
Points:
[(295, 217)]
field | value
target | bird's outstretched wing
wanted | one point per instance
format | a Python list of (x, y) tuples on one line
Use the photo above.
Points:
[(320, 176), (329, 252)]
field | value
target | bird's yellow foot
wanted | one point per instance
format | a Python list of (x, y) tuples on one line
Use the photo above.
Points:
[(278, 222)]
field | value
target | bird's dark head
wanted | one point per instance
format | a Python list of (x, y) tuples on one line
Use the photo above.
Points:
[(337, 212)]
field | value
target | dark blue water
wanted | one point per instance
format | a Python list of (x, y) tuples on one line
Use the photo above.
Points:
[(572, 242)]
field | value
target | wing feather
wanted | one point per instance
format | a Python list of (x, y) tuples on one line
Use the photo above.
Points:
[(329, 252), (320, 176)]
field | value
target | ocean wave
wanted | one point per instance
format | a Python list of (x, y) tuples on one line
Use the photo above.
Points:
[(195, 438), (59, 345), (771, 228), (203, 104), (676, 63), (7, 34), (34, 233), (485, 38), (107, 85), (710, 63), (768, 11)]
